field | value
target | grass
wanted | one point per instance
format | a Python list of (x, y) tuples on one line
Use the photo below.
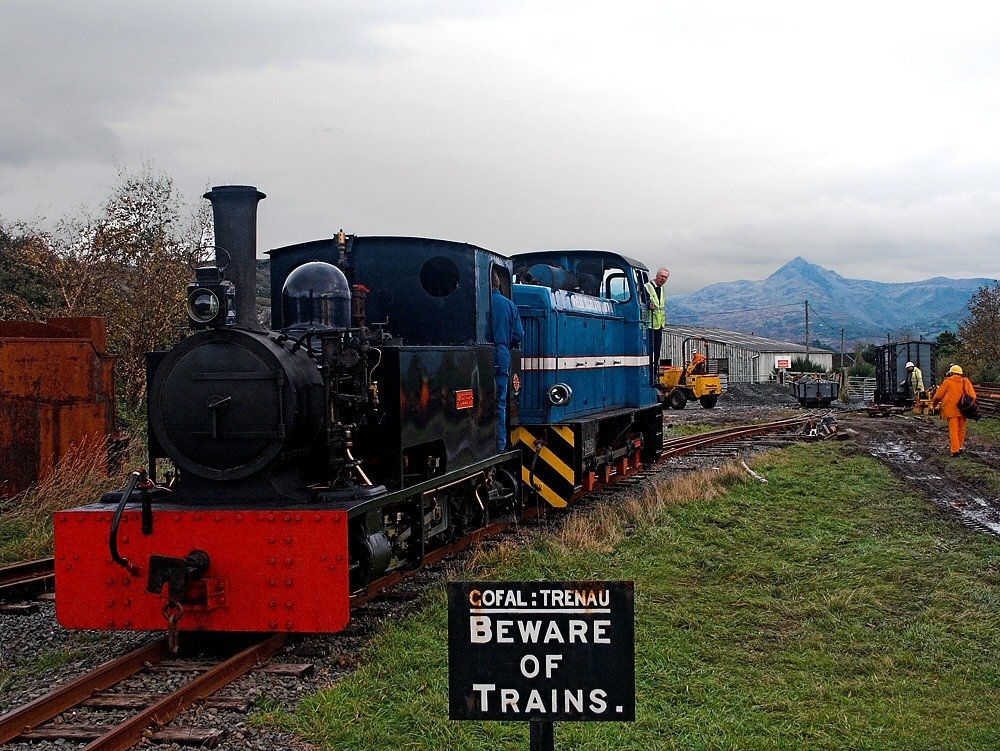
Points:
[(26, 519), (986, 430), (827, 609), (11, 676)]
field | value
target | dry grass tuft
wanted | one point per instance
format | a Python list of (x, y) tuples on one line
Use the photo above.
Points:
[(26, 519), (601, 528), (597, 530), (80, 477), (493, 556)]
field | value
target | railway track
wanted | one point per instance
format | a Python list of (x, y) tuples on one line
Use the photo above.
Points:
[(697, 448), (29, 722), (26, 580), (34, 721), (691, 443), (89, 693)]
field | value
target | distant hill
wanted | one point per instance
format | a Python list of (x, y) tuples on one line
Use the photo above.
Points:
[(866, 310)]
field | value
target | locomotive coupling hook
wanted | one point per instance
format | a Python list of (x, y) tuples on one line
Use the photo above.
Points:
[(176, 573)]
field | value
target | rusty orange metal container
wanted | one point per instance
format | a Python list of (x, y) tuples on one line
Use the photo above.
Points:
[(56, 393)]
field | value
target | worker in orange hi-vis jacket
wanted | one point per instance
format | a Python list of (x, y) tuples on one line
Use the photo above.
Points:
[(947, 395)]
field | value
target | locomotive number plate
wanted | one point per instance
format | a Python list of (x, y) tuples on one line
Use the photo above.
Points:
[(465, 399)]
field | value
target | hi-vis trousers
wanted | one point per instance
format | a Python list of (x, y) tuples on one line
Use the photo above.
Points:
[(956, 432)]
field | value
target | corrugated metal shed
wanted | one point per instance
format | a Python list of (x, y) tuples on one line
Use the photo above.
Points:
[(751, 358)]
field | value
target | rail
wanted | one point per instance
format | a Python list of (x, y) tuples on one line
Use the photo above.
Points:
[(23, 580), (687, 444), (24, 723)]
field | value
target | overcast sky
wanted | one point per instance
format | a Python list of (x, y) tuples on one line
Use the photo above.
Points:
[(720, 139)]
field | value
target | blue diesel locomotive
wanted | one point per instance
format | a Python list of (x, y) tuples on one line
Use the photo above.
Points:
[(587, 406)]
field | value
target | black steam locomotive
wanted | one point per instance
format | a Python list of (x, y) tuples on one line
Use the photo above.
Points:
[(290, 467)]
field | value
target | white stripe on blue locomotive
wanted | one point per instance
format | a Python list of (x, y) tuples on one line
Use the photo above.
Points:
[(584, 362)]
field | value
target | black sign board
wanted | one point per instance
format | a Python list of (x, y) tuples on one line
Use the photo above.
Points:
[(542, 651)]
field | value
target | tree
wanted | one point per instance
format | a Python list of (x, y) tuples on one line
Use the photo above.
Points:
[(130, 265), (864, 361), (980, 334), (869, 353), (949, 346), (29, 288), (946, 339)]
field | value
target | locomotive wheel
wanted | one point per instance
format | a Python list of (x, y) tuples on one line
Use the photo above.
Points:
[(709, 400), (678, 400)]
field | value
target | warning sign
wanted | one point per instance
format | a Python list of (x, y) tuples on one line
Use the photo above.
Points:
[(541, 651)]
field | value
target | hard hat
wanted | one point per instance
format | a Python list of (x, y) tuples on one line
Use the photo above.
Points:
[(955, 369), (910, 365)]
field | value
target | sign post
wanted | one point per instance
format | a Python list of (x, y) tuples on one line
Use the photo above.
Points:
[(542, 735), (541, 652), (781, 364)]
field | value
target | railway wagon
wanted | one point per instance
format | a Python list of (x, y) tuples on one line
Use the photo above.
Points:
[(890, 370), (814, 392)]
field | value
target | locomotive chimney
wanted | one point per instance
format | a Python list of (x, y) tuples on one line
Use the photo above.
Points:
[(234, 208)]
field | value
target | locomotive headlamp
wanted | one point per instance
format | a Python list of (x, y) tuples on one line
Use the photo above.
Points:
[(210, 299), (203, 305), (560, 394)]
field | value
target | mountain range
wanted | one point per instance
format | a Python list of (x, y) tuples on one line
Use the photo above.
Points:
[(866, 311)]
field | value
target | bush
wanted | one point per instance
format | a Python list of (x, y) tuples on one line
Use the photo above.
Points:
[(862, 370), (801, 365)]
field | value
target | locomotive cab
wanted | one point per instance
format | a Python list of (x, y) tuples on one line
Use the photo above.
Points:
[(589, 410)]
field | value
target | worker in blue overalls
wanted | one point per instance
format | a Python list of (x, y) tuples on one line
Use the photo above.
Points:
[(507, 332)]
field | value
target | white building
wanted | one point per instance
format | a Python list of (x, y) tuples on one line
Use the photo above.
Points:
[(752, 359)]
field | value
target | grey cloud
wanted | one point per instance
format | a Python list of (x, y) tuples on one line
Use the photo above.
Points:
[(27, 135), (72, 69)]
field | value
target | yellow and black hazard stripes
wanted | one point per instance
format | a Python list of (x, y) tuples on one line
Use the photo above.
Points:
[(548, 460)]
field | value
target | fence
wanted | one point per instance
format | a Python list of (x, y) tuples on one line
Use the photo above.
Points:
[(861, 388)]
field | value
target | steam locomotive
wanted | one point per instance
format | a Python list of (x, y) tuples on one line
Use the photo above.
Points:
[(290, 467)]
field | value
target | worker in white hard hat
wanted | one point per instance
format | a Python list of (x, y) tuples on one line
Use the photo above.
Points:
[(913, 382)]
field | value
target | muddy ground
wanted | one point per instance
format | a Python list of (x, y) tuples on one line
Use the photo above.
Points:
[(914, 447)]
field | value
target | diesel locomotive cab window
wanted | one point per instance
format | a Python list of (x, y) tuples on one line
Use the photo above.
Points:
[(641, 278), (439, 276), (616, 285)]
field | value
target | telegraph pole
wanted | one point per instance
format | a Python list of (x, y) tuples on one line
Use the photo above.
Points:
[(807, 331)]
